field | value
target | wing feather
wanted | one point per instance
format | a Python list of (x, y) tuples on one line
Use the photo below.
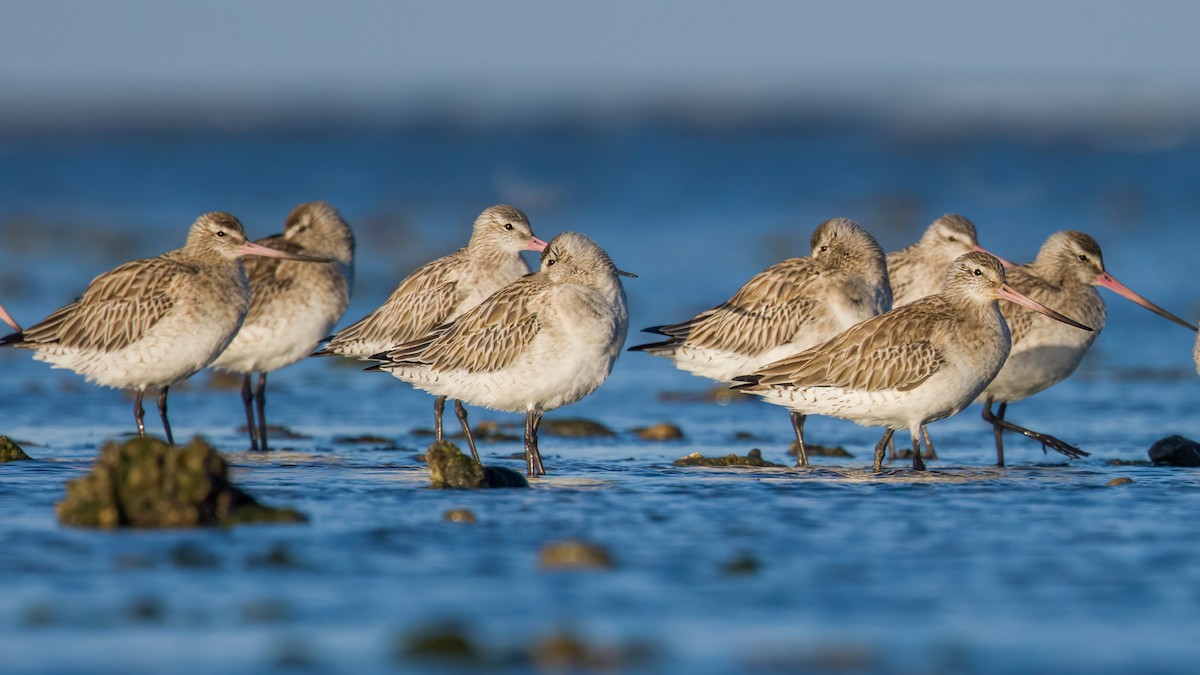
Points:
[(117, 309)]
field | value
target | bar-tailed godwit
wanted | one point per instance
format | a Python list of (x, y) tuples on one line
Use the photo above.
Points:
[(442, 290), (546, 340), (293, 305), (1065, 274), (916, 364), (785, 309), (919, 269), (154, 322)]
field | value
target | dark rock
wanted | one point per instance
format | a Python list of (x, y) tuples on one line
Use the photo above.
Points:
[(660, 432), (10, 451), (459, 516), (574, 428), (1129, 462), (814, 450), (144, 482), (450, 468), (574, 554), (753, 458), (743, 565), (442, 642), (365, 439), (1119, 481), (1175, 451), (719, 394)]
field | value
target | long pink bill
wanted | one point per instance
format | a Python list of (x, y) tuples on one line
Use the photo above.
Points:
[(1008, 264), (1012, 295), (4, 316), (536, 244), (250, 248), (1106, 280)]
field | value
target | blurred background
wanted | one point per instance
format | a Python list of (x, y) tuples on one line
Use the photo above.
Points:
[(698, 141)]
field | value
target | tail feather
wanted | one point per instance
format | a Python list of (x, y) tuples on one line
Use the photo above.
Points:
[(13, 339), (746, 382), (657, 348)]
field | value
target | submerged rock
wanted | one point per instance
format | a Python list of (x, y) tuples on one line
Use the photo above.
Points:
[(575, 428), (1175, 451), (660, 432), (574, 554), (459, 516), (753, 458), (1124, 480), (814, 450), (10, 451), (450, 468), (444, 642), (144, 482)]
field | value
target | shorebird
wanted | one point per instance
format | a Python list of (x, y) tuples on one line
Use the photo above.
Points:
[(4, 316), (154, 322), (546, 340), (441, 291), (784, 309), (919, 269), (293, 305), (1068, 268), (916, 364)]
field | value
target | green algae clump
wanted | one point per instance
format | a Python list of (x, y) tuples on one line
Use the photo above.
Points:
[(10, 451), (145, 483), (753, 458), (449, 468)]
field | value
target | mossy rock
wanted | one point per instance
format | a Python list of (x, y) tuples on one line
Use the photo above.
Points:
[(10, 451), (449, 468), (753, 458), (574, 554), (146, 483), (664, 431), (575, 428)]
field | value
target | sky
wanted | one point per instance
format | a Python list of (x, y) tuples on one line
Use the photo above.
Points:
[(61, 57)]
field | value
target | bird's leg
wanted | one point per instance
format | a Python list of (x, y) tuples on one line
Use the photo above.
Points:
[(139, 414), (162, 412), (930, 453), (891, 455), (537, 454), (439, 405), (918, 463), (529, 442), (1045, 439), (247, 402), (996, 428), (461, 411), (887, 436), (798, 427), (261, 404)]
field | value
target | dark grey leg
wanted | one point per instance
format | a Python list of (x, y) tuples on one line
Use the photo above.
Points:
[(139, 414), (248, 404), (261, 403), (461, 412), (930, 453), (162, 412), (439, 406), (918, 463), (878, 464), (798, 427), (537, 455)]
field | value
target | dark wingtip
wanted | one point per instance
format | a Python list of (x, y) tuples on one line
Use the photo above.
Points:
[(12, 339), (377, 368), (651, 346), (656, 330), (746, 382)]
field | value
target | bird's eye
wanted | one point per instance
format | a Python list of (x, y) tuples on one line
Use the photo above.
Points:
[(220, 233), (823, 249), (953, 238), (978, 272), (508, 226), (1082, 258), (550, 262)]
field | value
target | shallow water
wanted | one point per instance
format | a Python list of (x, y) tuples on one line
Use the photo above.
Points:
[(1038, 567)]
